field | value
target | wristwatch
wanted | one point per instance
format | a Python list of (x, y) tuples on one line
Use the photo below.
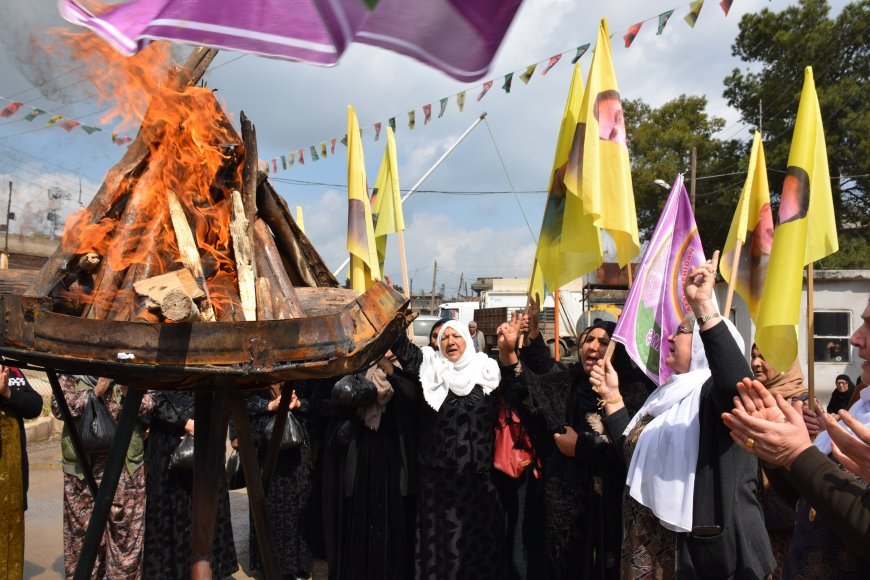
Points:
[(708, 318)]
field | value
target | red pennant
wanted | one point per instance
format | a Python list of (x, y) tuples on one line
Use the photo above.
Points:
[(377, 131), (632, 33), (10, 109), (486, 86), (427, 114), (332, 147), (551, 63), (69, 125), (301, 157)]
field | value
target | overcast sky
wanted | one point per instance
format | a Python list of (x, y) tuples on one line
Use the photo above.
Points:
[(295, 105)]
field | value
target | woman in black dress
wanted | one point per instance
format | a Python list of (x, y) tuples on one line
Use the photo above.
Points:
[(460, 521), (169, 505)]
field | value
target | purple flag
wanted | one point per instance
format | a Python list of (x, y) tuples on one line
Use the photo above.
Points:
[(457, 37), (656, 306)]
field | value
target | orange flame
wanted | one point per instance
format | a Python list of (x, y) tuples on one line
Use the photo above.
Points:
[(189, 145)]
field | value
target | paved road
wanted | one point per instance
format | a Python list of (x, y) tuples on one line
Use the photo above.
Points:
[(43, 552)]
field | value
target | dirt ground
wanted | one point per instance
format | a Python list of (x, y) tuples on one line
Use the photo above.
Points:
[(43, 551)]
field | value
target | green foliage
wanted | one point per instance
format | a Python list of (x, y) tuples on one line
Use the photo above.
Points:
[(660, 146), (777, 46)]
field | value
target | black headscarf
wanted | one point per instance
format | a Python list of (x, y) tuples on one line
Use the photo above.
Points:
[(840, 400)]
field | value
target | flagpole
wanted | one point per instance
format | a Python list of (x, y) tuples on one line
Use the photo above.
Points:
[(556, 325), (734, 265), (628, 270), (811, 354), (404, 263), (477, 122), (520, 340)]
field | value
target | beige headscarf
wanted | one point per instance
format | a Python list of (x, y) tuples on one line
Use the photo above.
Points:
[(371, 415), (789, 384)]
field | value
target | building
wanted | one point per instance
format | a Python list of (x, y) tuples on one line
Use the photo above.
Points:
[(423, 303)]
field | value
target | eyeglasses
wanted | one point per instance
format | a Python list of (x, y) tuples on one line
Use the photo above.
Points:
[(681, 329)]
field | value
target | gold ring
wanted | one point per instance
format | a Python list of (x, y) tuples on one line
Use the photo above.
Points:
[(750, 442)]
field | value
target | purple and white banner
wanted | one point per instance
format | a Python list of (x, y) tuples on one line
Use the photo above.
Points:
[(457, 37), (656, 305)]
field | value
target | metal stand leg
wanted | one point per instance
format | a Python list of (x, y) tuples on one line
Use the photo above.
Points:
[(111, 476), (210, 419), (275, 442), (256, 495), (69, 420)]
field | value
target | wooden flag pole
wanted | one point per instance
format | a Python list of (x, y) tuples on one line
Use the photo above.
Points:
[(556, 354), (628, 270), (734, 265), (522, 337), (405, 283), (811, 354)]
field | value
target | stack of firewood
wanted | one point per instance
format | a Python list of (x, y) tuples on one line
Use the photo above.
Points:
[(165, 256)]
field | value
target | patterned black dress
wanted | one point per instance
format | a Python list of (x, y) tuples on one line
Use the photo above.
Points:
[(169, 503), (460, 521), (288, 502)]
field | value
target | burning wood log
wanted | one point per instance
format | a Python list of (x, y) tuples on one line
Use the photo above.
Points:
[(174, 294), (187, 248), (244, 252), (285, 302), (132, 163)]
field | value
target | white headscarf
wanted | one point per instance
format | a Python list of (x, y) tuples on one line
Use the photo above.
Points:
[(860, 410), (440, 376), (662, 471)]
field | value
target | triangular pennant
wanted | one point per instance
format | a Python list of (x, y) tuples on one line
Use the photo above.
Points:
[(292, 159), (527, 76), (10, 109), (69, 125), (33, 114), (283, 162), (274, 165), (411, 119), (301, 157), (323, 149), (443, 107), (694, 11), (486, 86), (314, 155), (391, 122), (551, 63), (427, 114), (632, 34), (90, 130), (263, 166), (581, 50), (54, 120), (332, 146), (726, 6), (377, 131), (460, 100), (508, 80), (663, 21)]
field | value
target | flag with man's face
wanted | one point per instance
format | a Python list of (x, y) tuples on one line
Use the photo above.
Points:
[(598, 174), (387, 200), (806, 232), (555, 265), (360, 234), (656, 304), (752, 226)]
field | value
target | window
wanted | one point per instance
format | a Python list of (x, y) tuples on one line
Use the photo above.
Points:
[(831, 338)]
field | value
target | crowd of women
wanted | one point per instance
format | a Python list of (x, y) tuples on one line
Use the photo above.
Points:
[(441, 462)]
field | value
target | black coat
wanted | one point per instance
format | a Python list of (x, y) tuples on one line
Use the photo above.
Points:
[(725, 479)]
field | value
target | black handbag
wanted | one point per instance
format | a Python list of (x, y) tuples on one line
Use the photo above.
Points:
[(182, 457), (235, 473), (96, 426), (354, 391), (293, 435)]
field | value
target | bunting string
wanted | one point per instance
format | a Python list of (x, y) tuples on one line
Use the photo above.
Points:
[(526, 73)]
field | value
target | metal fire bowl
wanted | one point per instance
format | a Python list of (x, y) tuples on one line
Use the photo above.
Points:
[(201, 354)]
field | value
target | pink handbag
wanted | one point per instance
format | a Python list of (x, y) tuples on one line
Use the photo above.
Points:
[(513, 450)]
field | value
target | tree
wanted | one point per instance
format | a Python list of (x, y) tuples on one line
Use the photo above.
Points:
[(660, 146), (778, 46)]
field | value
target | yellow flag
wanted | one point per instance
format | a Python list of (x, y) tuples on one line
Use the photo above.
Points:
[(554, 266), (598, 176), (806, 232), (360, 234), (753, 227), (387, 200)]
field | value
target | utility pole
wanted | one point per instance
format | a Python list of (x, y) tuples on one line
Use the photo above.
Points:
[(434, 274), (692, 182), (8, 213), (80, 192), (459, 290)]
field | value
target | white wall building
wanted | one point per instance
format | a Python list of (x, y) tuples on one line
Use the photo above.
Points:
[(839, 299)]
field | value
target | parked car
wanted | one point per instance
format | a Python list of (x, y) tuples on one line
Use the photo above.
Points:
[(422, 325)]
